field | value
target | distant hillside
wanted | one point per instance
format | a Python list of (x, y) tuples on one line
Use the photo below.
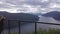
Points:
[(54, 14), (18, 16)]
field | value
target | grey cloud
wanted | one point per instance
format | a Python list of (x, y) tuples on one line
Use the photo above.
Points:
[(28, 2), (18, 2), (4, 6), (13, 2)]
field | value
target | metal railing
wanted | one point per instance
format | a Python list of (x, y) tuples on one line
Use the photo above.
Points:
[(30, 22)]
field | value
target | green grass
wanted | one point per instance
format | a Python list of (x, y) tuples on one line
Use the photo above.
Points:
[(42, 31), (50, 31), (13, 33)]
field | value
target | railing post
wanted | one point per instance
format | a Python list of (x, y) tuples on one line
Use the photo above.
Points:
[(19, 26), (8, 27), (3, 28), (35, 28)]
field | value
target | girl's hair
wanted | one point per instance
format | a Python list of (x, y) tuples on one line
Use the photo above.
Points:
[(2, 17)]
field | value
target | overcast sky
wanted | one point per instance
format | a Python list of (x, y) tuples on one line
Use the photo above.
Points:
[(29, 6)]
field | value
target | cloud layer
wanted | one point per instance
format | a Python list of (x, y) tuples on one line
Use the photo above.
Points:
[(30, 6)]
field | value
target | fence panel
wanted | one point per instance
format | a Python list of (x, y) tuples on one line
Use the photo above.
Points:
[(19, 24)]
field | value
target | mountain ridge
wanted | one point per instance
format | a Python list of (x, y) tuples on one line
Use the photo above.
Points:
[(54, 14), (18, 16)]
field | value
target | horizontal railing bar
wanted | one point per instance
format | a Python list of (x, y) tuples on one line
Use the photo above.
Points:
[(48, 23), (21, 20), (36, 22)]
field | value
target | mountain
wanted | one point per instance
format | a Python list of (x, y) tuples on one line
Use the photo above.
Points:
[(18, 16), (54, 14)]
